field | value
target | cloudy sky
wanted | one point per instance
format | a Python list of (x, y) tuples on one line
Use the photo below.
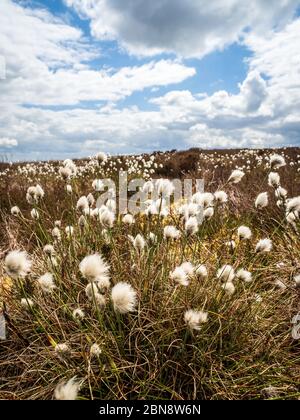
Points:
[(126, 76)]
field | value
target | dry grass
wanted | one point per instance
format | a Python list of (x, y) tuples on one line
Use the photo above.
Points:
[(244, 351)]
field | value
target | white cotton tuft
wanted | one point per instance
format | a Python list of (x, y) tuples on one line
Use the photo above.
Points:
[(236, 176), (34, 214), (171, 232), (264, 245), (229, 288), (123, 297), (82, 203), (226, 273), (297, 280), (15, 211), (244, 275), (17, 264), (244, 232), (46, 282), (191, 226), (95, 350), (221, 197), (67, 390), (194, 319), (277, 161), (201, 271), (274, 179), (179, 276), (261, 200), (27, 303), (128, 219), (95, 269)]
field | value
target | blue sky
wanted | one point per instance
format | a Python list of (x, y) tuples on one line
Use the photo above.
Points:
[(137, 76)]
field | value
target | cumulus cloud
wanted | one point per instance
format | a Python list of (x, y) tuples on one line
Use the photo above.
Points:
[(191, 28), (7, 142), (45, 55), (48, 63)]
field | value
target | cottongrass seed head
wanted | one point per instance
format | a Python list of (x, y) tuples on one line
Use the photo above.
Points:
[(244, 232), (264, 245), (194, 319), (226, 273), (95, 350), (244, 275), (236, 176), (17, 264), (171, 232), (67, 390), (261, 200), (95, 269), (124, 298), (46, 283)]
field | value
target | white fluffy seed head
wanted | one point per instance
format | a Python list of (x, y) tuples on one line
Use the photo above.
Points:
[(17, 264), (244, 232), (128, 219), (67, 390), (264, 245), (82, 203), (194, 319), (100, 300), (280, 192), (34, 214), (95, 269), (95, 350), (231, 244), (274, 179), (261, 200), (123, 297), (171, 232), (101, 157), (221, 197), (69, 231), (208, 213), (244, 275), (191, 226), (228, 287), (152, 237), (62, 349), (293, 205), (277, 161), (179, 276), (236, 176), (107, 218), (226, 273), (201, 271), (46, 282), (27, 303), (78, 314), (188, 268), (49, 250), (297, 280), (15, 211), (91, 290), (56, 233), (139, 243)]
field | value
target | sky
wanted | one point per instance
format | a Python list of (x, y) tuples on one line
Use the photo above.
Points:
[(82, 76)]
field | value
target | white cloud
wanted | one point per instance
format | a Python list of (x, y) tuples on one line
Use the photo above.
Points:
[(6, 142), (188, 28), (46, 63)]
